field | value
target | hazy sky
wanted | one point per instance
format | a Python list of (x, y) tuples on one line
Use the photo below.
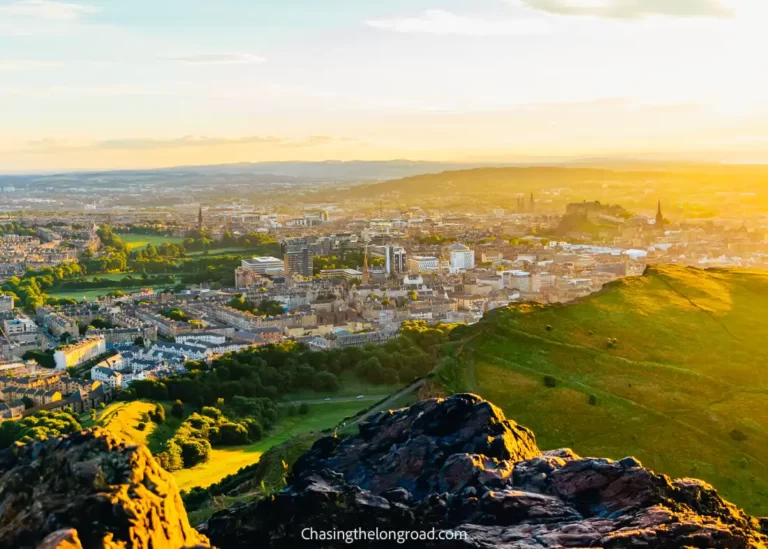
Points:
[(141, 83)]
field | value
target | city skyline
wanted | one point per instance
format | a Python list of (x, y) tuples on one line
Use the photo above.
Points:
[(450, 80)]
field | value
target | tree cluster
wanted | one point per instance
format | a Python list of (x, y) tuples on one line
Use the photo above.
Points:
[(38, 427), (267, 307)]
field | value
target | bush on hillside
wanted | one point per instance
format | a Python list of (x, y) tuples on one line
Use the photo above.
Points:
[(194, 451), (550, 381), (177, 410), (157, 414)]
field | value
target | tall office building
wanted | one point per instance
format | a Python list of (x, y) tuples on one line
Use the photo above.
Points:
[(397, 260), (297, 257)]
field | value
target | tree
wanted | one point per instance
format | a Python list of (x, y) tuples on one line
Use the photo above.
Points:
[(177, 410), (66, 337), (304, 408), (325, 381), (550, 381), (139, 341), (27, 402)]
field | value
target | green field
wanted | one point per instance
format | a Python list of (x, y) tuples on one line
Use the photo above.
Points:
[(134, 241), (351, 386), (228, 251), (225, 461), (684, 388), (121, 418), (94, 294)]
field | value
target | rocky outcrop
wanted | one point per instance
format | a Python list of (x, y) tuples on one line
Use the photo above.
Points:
[(457, 464), (89, 490)]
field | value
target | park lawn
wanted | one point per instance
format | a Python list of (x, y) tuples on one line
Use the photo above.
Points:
[(134, 241), (225, 461), (95, 293), (684, 389), (226, 251)]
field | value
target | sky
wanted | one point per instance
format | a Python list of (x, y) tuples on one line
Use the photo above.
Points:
[(115, 84)]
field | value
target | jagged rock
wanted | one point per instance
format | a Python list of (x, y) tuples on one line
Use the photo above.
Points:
[(409, 448), (458, 464), (89, 490)]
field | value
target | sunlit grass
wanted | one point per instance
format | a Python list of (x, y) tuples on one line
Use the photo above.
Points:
[(687, 370)]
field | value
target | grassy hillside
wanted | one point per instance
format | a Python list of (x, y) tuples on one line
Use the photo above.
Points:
[(684, 387)]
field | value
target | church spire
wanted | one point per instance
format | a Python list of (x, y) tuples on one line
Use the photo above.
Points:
[(366, 273), (659, 218)]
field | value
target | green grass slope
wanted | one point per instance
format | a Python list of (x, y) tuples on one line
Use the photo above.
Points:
[(684, 388)]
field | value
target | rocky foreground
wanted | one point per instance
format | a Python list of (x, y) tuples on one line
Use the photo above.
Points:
[(459, 464), (89, 490), (454, 463)]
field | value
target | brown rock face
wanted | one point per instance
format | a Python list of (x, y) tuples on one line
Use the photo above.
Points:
[(89, 490), (458, 464)]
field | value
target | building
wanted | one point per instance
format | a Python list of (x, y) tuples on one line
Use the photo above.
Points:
[(19, 326), (462, 258), (263, 265), (12, 409), (347, 274), (6, 303), (659, 226), (107, 376), (297, 257), (423, 264), (77, 353)]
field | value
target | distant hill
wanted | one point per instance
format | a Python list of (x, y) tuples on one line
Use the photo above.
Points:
[(357, 170), (674, 362), (696, 189), (591, 218)]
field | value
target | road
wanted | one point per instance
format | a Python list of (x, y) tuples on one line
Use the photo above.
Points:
[(331, 400), (385, 405)]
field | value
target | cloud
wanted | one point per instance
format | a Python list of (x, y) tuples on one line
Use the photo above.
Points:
[(47, 146), (445, 22), (27, 64), (218, 59), (47, 10), (633, 9)]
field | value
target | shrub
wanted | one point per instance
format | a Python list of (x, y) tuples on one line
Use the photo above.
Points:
[(255, 431), (233, 434), (158, 414), (170, 458), (738, 435), (177, 410), (211, 412), (195, 451), (549, 327), (550, 381), (593, 399), (304, 409)]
